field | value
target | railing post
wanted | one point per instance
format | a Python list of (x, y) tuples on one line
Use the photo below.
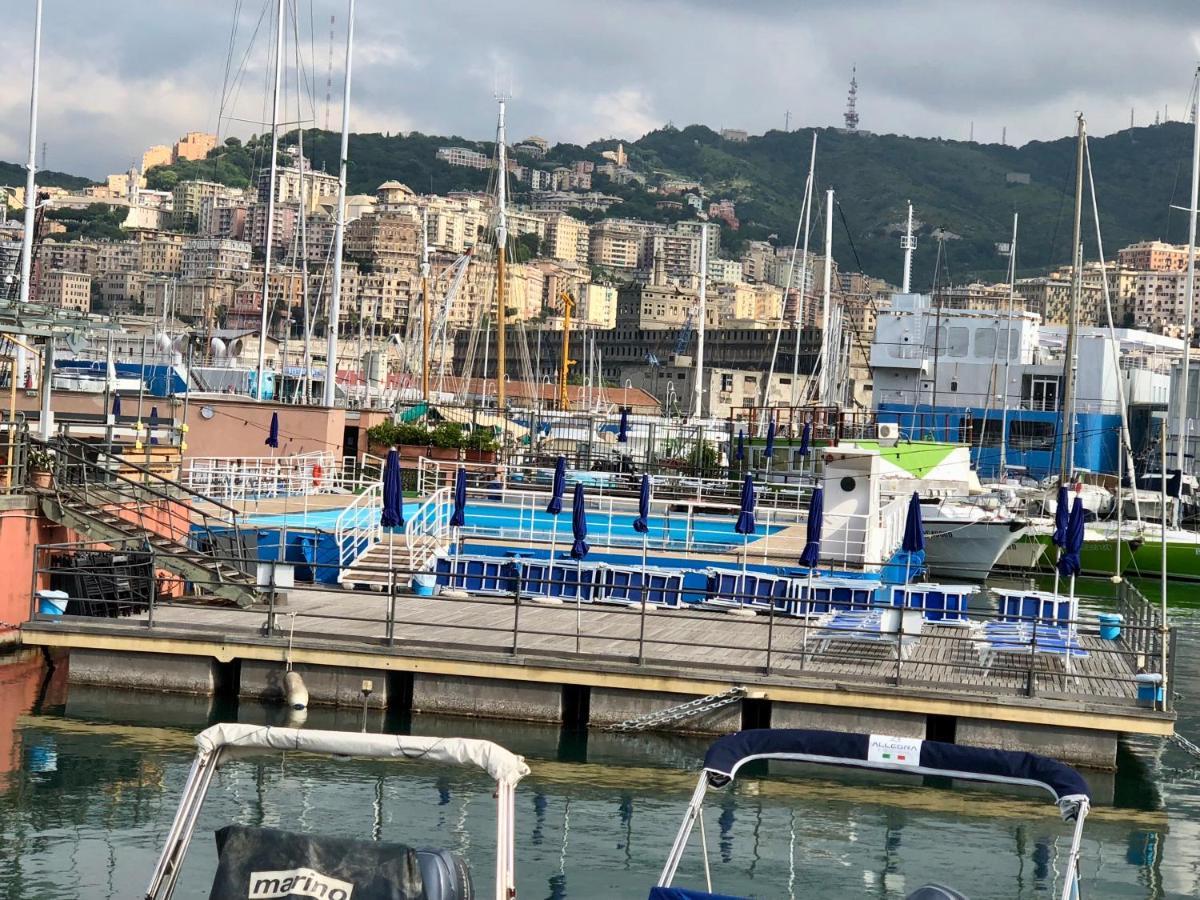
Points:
[(770, 632), (153, 592), (269, 628)]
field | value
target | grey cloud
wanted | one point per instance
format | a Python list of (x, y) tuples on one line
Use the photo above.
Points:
[(123, 74)]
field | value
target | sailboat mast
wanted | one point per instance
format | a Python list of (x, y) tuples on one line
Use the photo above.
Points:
[(1012, 290), (339, 227), (908, 244), (1066, 462), (826, 349), (788, 286), (810, 190), (501, 247), (1186, 374), (21, 361), (425, 323), (702, 313), (260, 378)]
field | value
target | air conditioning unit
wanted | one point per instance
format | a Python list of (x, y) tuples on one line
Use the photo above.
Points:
[(888, 433)]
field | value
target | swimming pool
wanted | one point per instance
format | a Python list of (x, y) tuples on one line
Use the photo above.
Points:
[(492, 519)]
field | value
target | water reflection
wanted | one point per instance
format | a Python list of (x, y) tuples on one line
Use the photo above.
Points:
[(89, 780)]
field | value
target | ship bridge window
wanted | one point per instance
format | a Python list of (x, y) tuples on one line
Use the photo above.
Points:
[(1023, 435), (991, 431), (986, 340), (958, 341)]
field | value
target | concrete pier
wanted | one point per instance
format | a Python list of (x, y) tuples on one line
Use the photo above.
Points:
[(487, 698)]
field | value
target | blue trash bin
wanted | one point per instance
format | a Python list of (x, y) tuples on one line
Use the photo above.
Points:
[(1110, 626), (52, 603), (1149, 689)]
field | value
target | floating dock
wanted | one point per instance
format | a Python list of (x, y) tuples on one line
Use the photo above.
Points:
[(598, 666)]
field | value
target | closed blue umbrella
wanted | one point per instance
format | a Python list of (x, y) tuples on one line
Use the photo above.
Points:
[(914, 532), (116, 406), (805, 436), (273, 434), (554, 507), (580, 548), (741, 446), (623, 428), (811, 554), (1068, 562), (1061, 513), (745, 520), (642, 523), (393, 495), (459, 517), (770, 448)]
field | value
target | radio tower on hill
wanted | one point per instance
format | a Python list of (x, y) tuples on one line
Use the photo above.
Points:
[(851, 115)]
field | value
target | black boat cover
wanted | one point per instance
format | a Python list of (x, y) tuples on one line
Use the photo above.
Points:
[(269, 864), (727, 754)]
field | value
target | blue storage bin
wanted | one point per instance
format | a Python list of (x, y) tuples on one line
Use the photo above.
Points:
[(1149, 689), (52, 603), (1110, 626)]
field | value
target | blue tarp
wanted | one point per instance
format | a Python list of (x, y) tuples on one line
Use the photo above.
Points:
[(674, 893)]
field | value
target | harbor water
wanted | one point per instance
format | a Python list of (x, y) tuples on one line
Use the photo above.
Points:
[(89, 781)]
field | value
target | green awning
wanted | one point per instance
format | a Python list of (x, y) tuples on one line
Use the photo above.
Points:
[(413, 413)]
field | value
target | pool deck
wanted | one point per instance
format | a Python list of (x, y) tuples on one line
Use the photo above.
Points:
[(457, 656)]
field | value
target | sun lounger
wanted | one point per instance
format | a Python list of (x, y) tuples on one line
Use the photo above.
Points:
[(880, 625), (754, 590), (1029, 640)]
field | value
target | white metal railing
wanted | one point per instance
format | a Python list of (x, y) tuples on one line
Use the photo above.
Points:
[(239, 478), (358, 528), (428, 528)]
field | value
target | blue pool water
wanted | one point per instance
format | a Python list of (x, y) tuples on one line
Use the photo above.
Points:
[(498, 519)]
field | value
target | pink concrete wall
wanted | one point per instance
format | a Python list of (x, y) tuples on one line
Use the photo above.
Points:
[(20, 531)]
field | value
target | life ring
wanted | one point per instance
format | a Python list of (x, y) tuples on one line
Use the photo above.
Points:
[(317, 472)]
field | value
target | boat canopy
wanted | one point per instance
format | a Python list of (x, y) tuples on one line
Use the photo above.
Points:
[(900, 754), (504, 767)]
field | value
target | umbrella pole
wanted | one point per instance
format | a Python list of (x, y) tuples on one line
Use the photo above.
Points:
[(550, 567), (578, 601), (645, 603), (742, 586)]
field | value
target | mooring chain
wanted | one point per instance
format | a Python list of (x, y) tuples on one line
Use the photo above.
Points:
[(1186, 745), (682, 711)]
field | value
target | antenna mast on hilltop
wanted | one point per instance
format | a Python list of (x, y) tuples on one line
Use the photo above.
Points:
[(851, 115)]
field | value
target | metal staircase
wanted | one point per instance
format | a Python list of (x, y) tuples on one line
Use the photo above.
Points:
[(107, 498)]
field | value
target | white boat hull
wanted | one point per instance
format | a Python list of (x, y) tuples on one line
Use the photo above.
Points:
[(967, 550)]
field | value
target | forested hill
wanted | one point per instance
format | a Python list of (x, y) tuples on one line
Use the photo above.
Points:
[(967, 189), (13, 175), (963, 188)]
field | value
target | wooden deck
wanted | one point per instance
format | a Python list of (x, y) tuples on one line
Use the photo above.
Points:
[(708, 646)]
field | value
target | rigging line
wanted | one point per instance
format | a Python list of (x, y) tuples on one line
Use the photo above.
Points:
[(235, 86), (842, 214), (223, 95)]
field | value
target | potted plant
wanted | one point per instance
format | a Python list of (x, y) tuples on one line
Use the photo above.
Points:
[(41, 464)]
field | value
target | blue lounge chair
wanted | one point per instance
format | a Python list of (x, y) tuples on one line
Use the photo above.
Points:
[(871, 626)]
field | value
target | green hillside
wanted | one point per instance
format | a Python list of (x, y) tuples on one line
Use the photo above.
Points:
[(956, 186), (13, 175)]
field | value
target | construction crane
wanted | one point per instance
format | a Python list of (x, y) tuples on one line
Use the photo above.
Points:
[(568, 303)]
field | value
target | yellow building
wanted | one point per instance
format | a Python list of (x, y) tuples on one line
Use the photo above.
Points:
[(158, 155), (65, 290), (193, 145), (567, 238)]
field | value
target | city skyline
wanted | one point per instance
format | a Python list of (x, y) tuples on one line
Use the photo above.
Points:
[(153, 71)]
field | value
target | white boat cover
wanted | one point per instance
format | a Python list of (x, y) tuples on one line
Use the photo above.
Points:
[(504, 767)]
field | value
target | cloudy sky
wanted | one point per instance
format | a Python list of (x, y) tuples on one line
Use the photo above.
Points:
[(119, 75)]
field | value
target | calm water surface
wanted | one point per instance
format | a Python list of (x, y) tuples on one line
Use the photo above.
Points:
[(89, 781)]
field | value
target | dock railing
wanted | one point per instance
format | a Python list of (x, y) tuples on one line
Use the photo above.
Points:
[(1060, 653)]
